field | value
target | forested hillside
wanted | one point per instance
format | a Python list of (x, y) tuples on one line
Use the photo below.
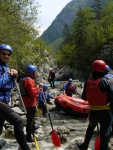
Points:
[(81, 33), (91, 38), (87, 37), (17, 29), (65, 18)]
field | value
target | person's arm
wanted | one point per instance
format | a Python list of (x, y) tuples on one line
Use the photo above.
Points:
[(50, 96), (53, 75), (38, 90), (49, 75), (107, 87), (64, 88), (84, 92), (6, 81), (75, 86), (41, 97)]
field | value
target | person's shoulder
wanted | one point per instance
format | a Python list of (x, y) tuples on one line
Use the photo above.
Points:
[(105, 80), (40, 91), (109, 75), (29, 80), (65, 84)]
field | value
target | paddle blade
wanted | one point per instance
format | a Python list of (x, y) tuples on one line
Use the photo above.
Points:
[(87, 119), (38, 112), (36, 144), (55, 139), (97, 143)]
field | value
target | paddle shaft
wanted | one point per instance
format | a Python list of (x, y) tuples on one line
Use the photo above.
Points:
[(36, 142), (50, 119), (54, 136), (47, 109), (20, 97)]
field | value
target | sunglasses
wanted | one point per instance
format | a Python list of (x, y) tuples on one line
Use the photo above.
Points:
[(5, 54)]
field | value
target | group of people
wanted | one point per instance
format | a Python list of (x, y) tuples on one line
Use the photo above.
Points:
[(29, 93), (98, 90)]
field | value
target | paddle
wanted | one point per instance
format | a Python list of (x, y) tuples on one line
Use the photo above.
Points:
[(54, 136), (36, 142), (38, 111), (20, 96), (97, 141), (87, 119)]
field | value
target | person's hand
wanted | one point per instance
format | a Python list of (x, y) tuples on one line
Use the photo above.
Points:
[(13, 73)]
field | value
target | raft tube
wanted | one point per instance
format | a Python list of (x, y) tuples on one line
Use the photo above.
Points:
[(71, 105)]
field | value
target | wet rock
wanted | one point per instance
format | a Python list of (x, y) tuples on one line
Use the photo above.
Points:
[(2, 143), (63, 138), (62, 130)]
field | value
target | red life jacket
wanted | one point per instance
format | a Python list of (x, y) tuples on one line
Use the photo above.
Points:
[(70, 88), (28, 91), (94, 95)]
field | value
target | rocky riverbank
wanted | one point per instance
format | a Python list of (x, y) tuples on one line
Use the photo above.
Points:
[(70, 129)]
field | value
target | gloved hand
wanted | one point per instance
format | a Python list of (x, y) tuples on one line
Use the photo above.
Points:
[(13, 73)]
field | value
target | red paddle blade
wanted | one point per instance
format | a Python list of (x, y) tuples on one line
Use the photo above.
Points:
[(97, 143), (87, 119), (55, 139)]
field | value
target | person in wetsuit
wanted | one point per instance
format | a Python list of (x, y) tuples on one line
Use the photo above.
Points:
[(98, 90), (29, 93), (6, 84)]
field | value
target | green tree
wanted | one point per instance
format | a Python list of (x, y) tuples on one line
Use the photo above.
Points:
[(17, 29)]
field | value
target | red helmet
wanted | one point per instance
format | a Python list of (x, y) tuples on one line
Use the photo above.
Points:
[(99, 66)]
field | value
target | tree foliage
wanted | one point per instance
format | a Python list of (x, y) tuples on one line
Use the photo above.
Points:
[(91, 30), (17, 20)]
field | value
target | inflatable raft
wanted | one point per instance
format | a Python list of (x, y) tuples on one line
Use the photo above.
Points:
[(71, 105)]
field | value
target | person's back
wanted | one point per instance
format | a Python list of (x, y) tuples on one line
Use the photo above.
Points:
[(29, 93), (108, 74), (98, 90)]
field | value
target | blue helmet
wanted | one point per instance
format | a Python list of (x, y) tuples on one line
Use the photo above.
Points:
[(31, 68), (107, 68), (70, 80), (6, 47), (45, 86)]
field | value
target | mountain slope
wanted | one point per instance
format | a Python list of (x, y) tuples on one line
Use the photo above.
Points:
[(66, 16)]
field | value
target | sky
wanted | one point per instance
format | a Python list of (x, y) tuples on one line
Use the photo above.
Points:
[(49, 9)]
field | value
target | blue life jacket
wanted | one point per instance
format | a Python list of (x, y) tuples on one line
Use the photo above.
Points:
[(6, 83)]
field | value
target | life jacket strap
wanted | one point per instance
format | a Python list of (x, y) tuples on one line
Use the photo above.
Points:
[(102, 107)]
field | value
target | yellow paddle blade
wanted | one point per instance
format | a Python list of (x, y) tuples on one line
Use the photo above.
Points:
[(38, 111), (36, 144)]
